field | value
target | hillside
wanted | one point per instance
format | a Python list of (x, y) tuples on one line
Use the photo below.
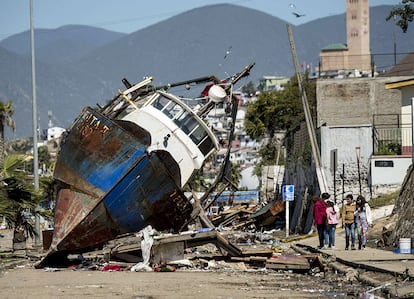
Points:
[(63, 93), (81, 65), (62, 45)]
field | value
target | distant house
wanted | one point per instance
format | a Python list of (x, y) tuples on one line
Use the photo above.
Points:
[(54, 133), (406, 86), (332, 57), (267, 83)]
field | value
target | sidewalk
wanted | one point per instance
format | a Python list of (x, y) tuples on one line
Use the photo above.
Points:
[(370, 259)]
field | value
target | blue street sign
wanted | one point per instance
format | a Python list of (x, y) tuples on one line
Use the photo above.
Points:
[(288, 192)]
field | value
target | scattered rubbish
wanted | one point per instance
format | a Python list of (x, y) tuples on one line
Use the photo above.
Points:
[(398, 250), (164, 268), (50, 269), (147, 240), (110, 268), (405, 245)]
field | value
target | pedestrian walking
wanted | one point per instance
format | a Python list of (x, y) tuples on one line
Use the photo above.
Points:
[(363, 219), (348, 221), (325, 197), (332, 216), (319, 218)]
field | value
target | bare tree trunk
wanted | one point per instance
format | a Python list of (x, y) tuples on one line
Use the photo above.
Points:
[(404, 209), (19, 240)]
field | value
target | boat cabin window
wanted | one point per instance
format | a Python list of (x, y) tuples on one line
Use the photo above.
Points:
[(186, 122), (165, 105), (198, 134)]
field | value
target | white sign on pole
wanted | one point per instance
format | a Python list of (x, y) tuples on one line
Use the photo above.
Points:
[(288, 192)]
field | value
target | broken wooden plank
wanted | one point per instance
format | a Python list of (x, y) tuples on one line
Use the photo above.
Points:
[(289, 259), (288, 262), (243, 223), (231, 249), (188, 239), (286, 266), (262, 259), (268, 252)]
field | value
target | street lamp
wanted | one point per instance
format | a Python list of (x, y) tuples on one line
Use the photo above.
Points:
[(34, 110)]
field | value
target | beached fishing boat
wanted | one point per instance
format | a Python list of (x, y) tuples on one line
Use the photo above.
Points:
[(123, 166)]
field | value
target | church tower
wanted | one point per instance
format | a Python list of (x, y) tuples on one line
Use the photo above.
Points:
[(358, 37), (356, 53)]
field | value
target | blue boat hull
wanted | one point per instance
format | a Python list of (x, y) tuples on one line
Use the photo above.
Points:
[(108, 184)]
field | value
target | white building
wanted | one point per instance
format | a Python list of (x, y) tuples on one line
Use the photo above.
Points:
[(54, 133)]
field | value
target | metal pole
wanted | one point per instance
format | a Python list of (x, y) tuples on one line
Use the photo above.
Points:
[(343, 182), (395, 43), (334, 177), (287, 218), (34, 109), (358, 153), (412, 130)]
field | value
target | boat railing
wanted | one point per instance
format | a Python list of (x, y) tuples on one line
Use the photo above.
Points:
[(124, 98)]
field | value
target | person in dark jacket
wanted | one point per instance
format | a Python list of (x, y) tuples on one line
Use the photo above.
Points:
[(319, 218)]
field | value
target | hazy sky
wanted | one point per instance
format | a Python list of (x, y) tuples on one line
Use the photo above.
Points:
[(130, 15)]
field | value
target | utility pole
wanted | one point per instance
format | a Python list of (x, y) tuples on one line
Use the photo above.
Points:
[(34, 110), (323, 186), (412, 129), (395, 42)]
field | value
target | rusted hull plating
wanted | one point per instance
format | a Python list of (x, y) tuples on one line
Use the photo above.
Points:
[(109, 184)]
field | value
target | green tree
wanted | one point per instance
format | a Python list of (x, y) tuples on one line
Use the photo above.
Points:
[(6, 113), (278, 110), (405, 13), (18, 197), (44, 158), (197, 183), (47, 187), (236, 176), (249, 88)]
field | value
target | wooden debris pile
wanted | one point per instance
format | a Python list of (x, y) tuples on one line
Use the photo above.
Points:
[(170, 248), (245, 216)]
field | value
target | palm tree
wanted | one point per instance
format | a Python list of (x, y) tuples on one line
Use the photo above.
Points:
[(197, 183), (18, 198), (236, 175), (6, 113)]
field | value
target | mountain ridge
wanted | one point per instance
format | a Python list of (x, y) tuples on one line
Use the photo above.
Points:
[(76, 70)]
